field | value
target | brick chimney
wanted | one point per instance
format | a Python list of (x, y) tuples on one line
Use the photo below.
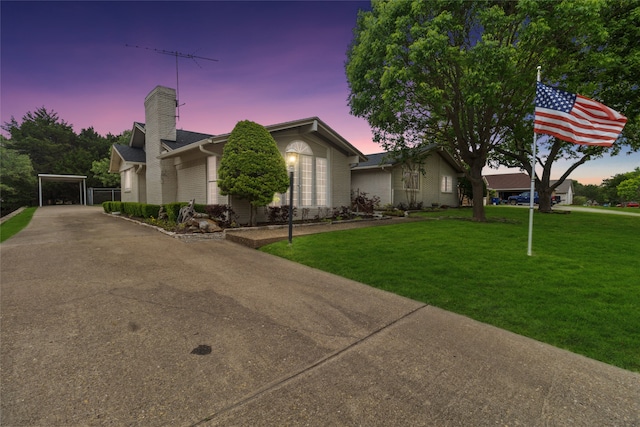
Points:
[(160, 123)]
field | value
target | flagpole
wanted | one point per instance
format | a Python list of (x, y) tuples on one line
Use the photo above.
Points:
[(533, 183)]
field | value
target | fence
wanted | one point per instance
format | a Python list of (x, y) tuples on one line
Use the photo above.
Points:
[(95, 196)]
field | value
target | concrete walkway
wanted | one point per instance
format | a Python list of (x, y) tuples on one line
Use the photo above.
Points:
[(105, 322)]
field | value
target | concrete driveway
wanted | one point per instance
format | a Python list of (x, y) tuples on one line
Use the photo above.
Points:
[(105, 322)]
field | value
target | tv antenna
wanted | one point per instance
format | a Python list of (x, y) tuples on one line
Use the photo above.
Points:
[(177, 55)]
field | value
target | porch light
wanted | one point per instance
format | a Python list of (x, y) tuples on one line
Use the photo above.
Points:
[(291, 158)]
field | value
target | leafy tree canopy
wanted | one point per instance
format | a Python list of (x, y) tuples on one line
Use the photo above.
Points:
[(462, 73), (17, 180), (53, 147), (251, 167)]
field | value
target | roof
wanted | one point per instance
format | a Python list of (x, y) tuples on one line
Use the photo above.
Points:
[(374, 161), (564, 187), (381, 160), (184, 138), (61, 178), (130, 154), (193, 140), (508, 181)]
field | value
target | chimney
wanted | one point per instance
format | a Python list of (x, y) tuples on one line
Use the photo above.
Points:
[(160, 124)]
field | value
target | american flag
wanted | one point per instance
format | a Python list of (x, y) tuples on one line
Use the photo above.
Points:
[(576, 119)]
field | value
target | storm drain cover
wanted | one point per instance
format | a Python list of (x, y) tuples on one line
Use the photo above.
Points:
[(201, 350)]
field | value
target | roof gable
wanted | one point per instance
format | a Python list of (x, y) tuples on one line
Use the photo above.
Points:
[(381, 160), (508, 181), (193, 140)]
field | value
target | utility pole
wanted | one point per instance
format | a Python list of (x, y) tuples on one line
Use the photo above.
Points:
[(177, 55)]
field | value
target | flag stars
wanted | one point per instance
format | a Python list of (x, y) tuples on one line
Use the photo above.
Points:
[(555, 99)]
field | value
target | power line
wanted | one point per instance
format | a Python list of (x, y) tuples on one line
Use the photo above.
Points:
[(177, 55)]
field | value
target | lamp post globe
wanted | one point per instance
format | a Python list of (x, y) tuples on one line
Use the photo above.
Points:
[(291, 158)]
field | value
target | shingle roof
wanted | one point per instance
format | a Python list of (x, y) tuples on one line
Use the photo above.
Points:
[(130, 154), (185, 137), (564, 187), (376, 159), (381, 159), (508, 181)]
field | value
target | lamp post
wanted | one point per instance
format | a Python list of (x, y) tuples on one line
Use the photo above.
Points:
[(292, 159)]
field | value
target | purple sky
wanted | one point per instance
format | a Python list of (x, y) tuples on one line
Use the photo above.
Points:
[(277, 62)]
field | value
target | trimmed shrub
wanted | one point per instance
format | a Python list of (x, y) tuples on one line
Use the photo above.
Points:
[(173, 210), (150, 211)]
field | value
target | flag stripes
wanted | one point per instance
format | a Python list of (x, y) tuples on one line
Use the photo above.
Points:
[(575, 118)]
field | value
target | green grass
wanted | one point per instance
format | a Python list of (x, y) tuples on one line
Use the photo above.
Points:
[(579, 291), (13, 225)]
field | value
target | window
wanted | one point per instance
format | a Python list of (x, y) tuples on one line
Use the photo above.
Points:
[(447, 184), (212, 180), (126, 177), (321, 182), (306, 181), (310, 178), (411, 180)]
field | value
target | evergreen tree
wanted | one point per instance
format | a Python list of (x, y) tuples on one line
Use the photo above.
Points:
[(251, 167)]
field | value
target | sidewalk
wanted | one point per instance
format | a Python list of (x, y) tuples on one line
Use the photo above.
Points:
[(105, 322)]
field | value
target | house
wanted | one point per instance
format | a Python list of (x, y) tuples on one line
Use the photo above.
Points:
[(511, 184), (162, 164), (565, 191), (434, 182), (508, 184)]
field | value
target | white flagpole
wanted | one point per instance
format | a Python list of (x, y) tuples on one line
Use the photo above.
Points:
[(533, 183)]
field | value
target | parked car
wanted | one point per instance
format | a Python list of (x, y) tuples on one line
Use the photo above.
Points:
[(523, 198), (633, 204)]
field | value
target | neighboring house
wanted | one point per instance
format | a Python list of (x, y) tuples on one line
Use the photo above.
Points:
[(511, 184), (163, 164), (508, 184), (565, 191), (434, 182)]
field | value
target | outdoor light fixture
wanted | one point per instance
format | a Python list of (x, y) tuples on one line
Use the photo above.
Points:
[(291, 157)]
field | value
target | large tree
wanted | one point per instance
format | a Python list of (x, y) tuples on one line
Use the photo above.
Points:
[(17, 180), (606, 67), (54, 147), (461, 73), (251, 167)]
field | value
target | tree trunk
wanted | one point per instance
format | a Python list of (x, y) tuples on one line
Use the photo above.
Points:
[(253, 215), (477, 186), (544, 205)]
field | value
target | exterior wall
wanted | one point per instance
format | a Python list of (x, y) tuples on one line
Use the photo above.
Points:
[(374, 182), (160, 117), (429, 191), (192, 180), (339, 179), (131, 194), (141, 186)]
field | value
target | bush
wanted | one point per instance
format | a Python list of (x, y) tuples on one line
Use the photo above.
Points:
[(173, 210), (222, 214), (361, 203), (279, 214), (112, 206), (150, 211), (343, 212), (579, 200)]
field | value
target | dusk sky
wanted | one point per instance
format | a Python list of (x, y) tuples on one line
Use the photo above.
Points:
[(277, 62)]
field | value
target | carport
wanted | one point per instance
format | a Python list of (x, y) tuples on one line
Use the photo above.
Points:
[(80, 179)]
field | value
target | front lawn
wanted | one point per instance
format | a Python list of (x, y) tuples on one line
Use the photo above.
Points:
[(579, 291), (14, 225)]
